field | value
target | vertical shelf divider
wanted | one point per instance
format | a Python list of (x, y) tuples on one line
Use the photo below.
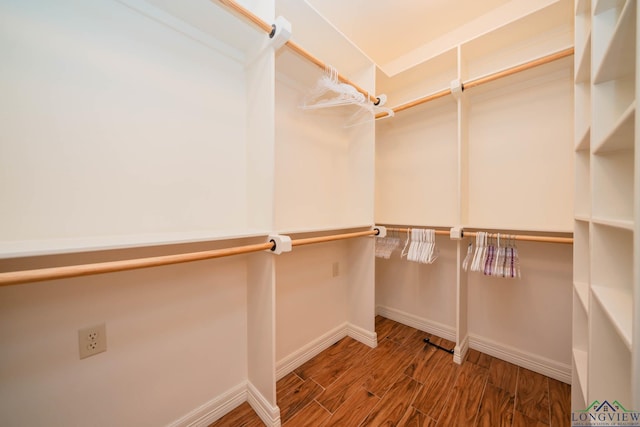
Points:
[(462, 330)]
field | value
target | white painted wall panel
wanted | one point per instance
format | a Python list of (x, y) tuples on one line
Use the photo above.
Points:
[(176, 338), (416, 166), (115, 124), (531, 314), (425, 291), (310, 301), (520, 151), (324, 171)]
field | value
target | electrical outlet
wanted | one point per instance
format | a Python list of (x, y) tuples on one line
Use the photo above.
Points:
[(336, 269), (92, 340)]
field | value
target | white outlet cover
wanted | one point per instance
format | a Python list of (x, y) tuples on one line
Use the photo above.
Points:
[(92, 340)]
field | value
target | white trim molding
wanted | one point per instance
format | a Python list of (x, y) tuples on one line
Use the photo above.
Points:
[(214, 409), (365, 337), (533, 362), (315, 347), (438, 329), (460, 351), (269, 414), (309, 351)]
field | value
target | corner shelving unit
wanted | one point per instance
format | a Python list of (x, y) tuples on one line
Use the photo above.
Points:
[(605, 282)]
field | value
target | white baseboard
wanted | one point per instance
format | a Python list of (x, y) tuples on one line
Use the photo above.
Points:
[(435, 328), (460, 351), (219, 406), (269, 414), (533, 362), (309, 351), (362, 335), (214, 409)]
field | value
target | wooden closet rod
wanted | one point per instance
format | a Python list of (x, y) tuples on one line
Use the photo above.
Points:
[(528, 238), (486, 79), (518, 68), (65, 272), (310, 240), (27, 276), (521, 237), (407, 230), (269, 29)]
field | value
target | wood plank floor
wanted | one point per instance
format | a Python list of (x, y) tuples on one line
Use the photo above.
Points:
[(405, 382)]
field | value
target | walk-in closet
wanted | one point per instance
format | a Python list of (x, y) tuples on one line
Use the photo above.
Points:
[(216, 209)]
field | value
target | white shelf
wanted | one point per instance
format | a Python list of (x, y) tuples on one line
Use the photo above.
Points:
[(580, 359), (335, 228), (612, 191), (582, 289), (618, 306), (615, 223), (582, 198), (621, 135), (602, 5), (582, 7), (611, 257), (583, 63), (584, 141), (581, 261), (27, 248), (617, 61), (582, 217)]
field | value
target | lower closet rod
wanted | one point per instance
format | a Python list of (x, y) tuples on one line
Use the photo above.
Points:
[(407, 230), (521, 237), (28, 276), (527, 238), (310, 240), (65, 272)]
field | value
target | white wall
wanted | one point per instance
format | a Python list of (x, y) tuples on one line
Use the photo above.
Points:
[(324, 170), (115, 124), (533, 314), (310, 300), (416, 166), (520, 158), (176, 338), (427, 292), (119, 126)]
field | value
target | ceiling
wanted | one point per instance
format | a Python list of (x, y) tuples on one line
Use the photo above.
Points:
[(388, 31)]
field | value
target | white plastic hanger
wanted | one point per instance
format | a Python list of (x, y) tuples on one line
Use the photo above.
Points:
[(330, 92), (368, 112)]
